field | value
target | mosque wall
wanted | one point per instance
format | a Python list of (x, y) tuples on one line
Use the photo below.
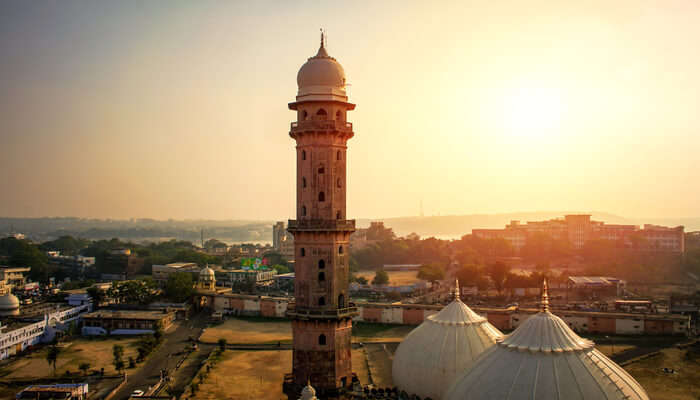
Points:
[(578, 324), (503, 319)]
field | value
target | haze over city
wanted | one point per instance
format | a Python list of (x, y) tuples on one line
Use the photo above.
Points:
[(178, 109)]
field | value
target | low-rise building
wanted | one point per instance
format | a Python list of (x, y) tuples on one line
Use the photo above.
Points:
[(126, 322), (62, 391), (13, 276), (160, 273), (258, 275)]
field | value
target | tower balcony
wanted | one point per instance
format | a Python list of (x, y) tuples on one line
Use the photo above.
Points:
[(310, 225), (326, 125), (308, 313)]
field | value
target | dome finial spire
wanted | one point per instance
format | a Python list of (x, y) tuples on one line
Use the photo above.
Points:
[(545, 296), (458, 295), (322, 37)]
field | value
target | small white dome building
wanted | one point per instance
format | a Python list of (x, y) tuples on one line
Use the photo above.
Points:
[(544, 359), (9, 305), (440, 349), (207, 278), (308, 393)]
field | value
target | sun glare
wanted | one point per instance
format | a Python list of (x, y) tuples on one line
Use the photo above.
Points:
[(532, 112)]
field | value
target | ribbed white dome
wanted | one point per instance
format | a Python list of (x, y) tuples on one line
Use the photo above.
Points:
[(308, 393), (9, 302), (544, 359), (206, 273), (441, 348)]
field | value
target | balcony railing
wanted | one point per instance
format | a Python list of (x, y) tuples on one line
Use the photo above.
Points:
[(306, 313), (321, 225), (333, 125)]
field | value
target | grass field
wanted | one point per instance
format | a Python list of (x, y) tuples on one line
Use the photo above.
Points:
[(371, 332), (396, 278), (250, 330), (683, 385), (256, 375), (97, 352)]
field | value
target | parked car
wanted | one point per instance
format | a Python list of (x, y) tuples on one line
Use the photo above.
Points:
[(137, 393)]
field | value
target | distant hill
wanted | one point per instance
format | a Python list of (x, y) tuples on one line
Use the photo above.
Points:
[(236, 231), (455, 226)]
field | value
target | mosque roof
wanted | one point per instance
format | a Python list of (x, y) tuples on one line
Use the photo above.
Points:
[(438, 350), (321, 74), (545, 359)]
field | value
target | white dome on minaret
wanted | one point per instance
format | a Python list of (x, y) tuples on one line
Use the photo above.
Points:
[(544, 359), (440, 349), (321, 78)]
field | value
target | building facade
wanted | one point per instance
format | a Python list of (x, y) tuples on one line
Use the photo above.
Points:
[(321, 316), (282, 240), (111, 322), (578, 229)]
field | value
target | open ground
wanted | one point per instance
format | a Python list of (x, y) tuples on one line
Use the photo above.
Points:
[(397, 278)]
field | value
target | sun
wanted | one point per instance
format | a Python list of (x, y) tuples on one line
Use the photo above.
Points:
[(532, 112)]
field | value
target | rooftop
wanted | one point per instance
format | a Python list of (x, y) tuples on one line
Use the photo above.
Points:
[(127, 314)]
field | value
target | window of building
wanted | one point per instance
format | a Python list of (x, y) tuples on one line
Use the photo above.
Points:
[(322, 339), (321, 301), (303, 211), (321, 264), (321, 197), (339, 115), (302, 251), (341, 301), (304, 115), (321, 276), (321, 170), (337, 155), (337, 182), (303, 154), (321, 113), (340, 249), (303, 182), (337, 215)]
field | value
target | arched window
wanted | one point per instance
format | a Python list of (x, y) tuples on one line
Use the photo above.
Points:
[(338, 183), (304, 115), (321, 196), (303, 211), (302, 252), (321, 276), (337, 215), (303, 182), (322, 339), (340, 249), (321, 113), (321, 264), (321, 301), (337, 155), (341, 301), (303, 154), (338, 115), (321, 169)]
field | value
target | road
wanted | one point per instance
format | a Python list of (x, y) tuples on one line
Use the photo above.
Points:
[(175, 341)]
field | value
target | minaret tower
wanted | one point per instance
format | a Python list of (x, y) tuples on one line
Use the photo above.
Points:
[(321, 315)]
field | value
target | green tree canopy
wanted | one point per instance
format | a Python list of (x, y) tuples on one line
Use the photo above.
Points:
[(179, 286), (380, 278), (498, 272), (431, 272)]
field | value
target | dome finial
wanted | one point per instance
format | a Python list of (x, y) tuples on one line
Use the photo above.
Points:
[(458, 295), (322, 36), (545, 296)]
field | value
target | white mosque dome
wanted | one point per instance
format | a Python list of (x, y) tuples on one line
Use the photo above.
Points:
[(9, 303), (308, 393), (321, 71), (544, 359), (206, 274), (440, 349)]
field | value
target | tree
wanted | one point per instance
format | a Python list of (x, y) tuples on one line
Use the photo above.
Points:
[(84, 367), (117, 353), (222, 344), (281, 269), (97, 295), (52, 356), (380, 278), (498, 272), (179, 286), (431, 272), (472, 275)]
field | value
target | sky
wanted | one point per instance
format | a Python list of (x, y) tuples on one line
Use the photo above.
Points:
[(178, 109)]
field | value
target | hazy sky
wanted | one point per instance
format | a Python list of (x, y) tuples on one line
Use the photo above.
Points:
[(169, 109)]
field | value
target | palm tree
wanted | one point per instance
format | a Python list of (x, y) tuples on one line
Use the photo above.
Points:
[(52, 356)]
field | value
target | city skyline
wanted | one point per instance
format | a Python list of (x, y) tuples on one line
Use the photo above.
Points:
[(147, 111)]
